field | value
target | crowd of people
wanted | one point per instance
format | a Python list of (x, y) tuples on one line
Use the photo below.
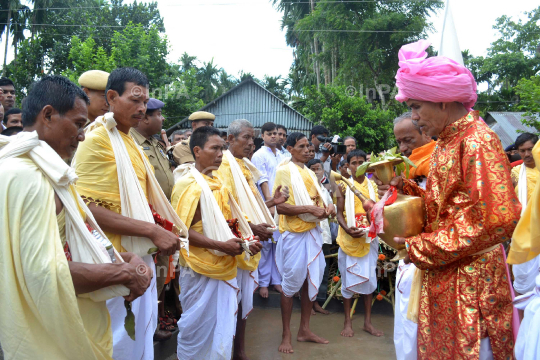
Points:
[(101, 212)]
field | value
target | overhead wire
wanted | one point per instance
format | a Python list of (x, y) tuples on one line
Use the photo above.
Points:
[(220, 4)]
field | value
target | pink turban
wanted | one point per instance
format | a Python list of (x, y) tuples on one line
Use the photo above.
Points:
[(437, 79)]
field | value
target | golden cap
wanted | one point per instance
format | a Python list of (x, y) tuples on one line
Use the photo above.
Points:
[(202, 115), (94, 79)]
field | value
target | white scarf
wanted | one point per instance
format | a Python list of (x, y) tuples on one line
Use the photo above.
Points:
[(214, 223), (301, 194), (251, 204), (350, 210), (132, 199), (84, 247), (522, 188)]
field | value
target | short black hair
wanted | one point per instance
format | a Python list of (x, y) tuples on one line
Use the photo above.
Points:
[(223, 133), (54, 90), (523, 138), (310, 143), (318, 130), (293, 138), (356, 153), (11, 112), (279, 126), (269, 126), (313, 162), (5, 81), (119, 77), (151, 112), (12, 130), (201, 135)]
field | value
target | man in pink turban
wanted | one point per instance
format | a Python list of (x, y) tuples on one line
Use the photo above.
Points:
[(464, 309)]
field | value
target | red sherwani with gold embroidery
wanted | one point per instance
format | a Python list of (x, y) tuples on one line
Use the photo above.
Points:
[(471, 206)]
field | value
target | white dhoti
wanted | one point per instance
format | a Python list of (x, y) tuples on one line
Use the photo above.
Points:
[(145, 309), (525, 275), (247, 283), (208, 323), (299, 257), (528, 340), (405, 331), (268, 272), (359, 275)]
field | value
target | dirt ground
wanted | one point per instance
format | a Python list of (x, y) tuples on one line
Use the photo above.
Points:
[(264, 336)]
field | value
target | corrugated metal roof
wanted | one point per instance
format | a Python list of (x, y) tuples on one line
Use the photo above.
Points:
[(508, 126), (249, 100)]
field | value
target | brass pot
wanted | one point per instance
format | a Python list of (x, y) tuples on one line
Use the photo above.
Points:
[(405, 217)]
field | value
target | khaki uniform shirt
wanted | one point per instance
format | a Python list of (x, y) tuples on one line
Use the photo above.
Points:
[(156, 153), (182, 153)]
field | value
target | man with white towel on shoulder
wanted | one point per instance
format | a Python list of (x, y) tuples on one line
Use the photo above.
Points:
[(118, 184), (240, 177), (299, 255), (208, 276), (56, 269)]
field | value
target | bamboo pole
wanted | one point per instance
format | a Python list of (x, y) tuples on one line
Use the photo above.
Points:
[(354, 306), (338, 284)]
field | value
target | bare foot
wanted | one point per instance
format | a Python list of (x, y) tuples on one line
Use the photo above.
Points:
[(347, 330), (313, 313), (286, 344), (278, 288), (319, 309), (371, 330), (263, 292), (308, 336)]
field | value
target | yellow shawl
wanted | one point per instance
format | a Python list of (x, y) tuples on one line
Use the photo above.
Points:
[(526, 239), (294, 223), (41, 316), (225, 176), (95, 166), (350, 246), (185, 199)]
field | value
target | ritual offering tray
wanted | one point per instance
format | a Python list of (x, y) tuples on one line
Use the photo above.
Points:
[(404, 215)]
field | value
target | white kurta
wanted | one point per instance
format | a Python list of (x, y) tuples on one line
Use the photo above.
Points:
[(405, 331), (359, 274), (208, 323), (145, 309), (266, 162), (299, 257)]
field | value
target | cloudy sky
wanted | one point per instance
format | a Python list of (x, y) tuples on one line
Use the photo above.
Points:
[(246, 34)]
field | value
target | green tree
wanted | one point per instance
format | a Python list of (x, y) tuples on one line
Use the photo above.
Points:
[(511, 58), (348, 115), (529, 92), (208, 76), (276, 85), (352, 43)]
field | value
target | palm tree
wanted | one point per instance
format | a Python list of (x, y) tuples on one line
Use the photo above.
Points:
[(226, 82), (208, 80), (188, 62), (9, 24)]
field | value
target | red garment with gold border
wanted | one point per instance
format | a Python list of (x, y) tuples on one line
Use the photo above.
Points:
[(471, 206)]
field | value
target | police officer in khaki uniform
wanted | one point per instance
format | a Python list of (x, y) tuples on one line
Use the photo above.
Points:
[(181, 152), (93, 83), (144, 136)]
